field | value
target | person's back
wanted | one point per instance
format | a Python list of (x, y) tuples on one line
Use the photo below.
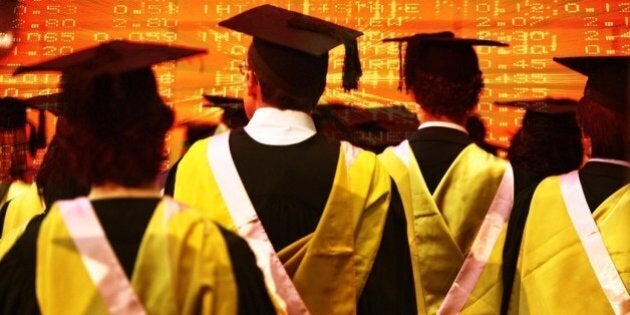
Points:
[(314, 211), (447, 183), (123, 248), (548, 143), (575, 242)]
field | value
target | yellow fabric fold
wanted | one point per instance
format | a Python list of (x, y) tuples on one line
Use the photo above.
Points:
[(443, 226), (22, 208), (554, 274), (182, 267), (16, 188), (329, 267)]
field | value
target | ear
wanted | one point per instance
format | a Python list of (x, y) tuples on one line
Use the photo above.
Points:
[(587, 146), (252, 85), (252, 97)]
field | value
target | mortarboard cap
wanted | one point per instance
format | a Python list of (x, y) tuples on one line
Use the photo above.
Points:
[(608, 79), (12, 113), (543, 106), (223, 102), (115, 56), (440, 54), (13, 116), (290, 49), (46, 102), (234, 115)]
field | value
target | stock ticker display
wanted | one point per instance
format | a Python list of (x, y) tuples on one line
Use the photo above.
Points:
[(33, 30)]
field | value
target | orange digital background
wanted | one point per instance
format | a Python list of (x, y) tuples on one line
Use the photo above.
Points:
[(535, 30)]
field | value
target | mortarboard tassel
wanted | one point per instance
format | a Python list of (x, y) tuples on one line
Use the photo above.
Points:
[(41, 132), (351, 64), (33, 143), (401, 68)]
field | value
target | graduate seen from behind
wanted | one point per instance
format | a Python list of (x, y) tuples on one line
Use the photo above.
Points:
[(575, 251), (457, 197), (17, 148), (123, 249), (549, 142), (315, 212), (52, 182)]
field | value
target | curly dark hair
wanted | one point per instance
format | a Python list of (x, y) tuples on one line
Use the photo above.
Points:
[(442, 97), (608, 130), (547, 144), (116, 127), (53, 179)]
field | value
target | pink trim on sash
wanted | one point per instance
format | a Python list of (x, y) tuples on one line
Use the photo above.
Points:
[(99, 258), (249, 226), (476, 260), (350, 152), (593, 244), (402, 151), (171, 207)]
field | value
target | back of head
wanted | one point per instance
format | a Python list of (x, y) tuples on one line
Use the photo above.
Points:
[(547, 144), (54, 181), (289, 79), (443, 73), (14, 145), (603, 111), (607, 129), (289, 54), (116, 120), (116, 127)]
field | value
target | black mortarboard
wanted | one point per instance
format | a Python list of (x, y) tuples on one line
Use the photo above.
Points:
[(440, 54), (13, 116), (234, 115), (608, 79), (290, 49), (197, 130), (47, 102), (115, 56), (12, 113), (544, 106), (223, 102)]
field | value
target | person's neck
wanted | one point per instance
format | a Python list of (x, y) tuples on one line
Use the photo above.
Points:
[(111, 190), (615, 161), (424, 116)]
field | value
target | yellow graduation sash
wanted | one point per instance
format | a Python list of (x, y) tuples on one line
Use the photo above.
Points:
[(22, 208), (182, 266), (249, 226), (562, 266), (329, 267), (16, 188), (443, 226)]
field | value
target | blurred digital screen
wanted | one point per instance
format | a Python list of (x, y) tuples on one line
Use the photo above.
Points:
[(34, 30)]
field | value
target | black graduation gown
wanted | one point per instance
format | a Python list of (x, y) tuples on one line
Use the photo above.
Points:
[(17, 268), (289, 194), (599, 181), (435, 149), (3, 215)]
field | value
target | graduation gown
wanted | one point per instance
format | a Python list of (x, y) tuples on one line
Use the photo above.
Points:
[(447, 186), (19, 210), (198, 253), (301, 194), (602, 184), (11, 190)]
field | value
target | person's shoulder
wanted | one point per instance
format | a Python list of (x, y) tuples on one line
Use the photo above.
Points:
[(22, 241), (197, 152), (199, 146)]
